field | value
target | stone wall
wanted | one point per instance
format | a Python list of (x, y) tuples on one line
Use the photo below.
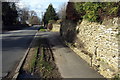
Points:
[(97, 44), (56, 27)]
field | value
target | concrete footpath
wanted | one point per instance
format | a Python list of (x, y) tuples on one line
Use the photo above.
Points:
[(68, 62)]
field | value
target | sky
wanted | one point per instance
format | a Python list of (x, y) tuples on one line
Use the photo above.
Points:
[(40, 6)]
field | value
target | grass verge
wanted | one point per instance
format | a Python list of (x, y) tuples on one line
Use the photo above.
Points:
[(40, 63), (42, 28), (45, 66), (32, 64)]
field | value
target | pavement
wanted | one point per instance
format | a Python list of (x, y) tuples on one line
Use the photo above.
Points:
[(14, 46), (68, 62)]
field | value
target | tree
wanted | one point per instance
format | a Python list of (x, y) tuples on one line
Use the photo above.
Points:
[(32, 13), (71, 13), (34, 20), (24, 15), (62, 11), (9, 13), (50, 14)]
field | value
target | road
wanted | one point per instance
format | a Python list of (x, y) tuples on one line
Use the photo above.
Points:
[(14, 46)]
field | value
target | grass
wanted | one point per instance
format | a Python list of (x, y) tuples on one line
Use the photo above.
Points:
[(42, 28), (40, 65), (43, 63), (32, 64), (45, 67)]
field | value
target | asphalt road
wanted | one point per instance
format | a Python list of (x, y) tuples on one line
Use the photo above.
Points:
[(14, 46)]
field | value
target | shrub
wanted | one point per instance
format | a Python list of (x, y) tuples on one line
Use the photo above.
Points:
[(59, 21), (79, 9), (93, 11), (52, 21)]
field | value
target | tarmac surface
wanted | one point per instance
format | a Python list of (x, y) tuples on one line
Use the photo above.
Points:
[(14, 46), (68, 62)]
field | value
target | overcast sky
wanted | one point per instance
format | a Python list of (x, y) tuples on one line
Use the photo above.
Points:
[(40, 5)]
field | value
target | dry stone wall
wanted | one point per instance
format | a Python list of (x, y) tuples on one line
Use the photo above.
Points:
[(98, 45), (56, 28)]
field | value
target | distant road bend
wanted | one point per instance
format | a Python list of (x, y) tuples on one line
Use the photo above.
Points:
[(14, 46)]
